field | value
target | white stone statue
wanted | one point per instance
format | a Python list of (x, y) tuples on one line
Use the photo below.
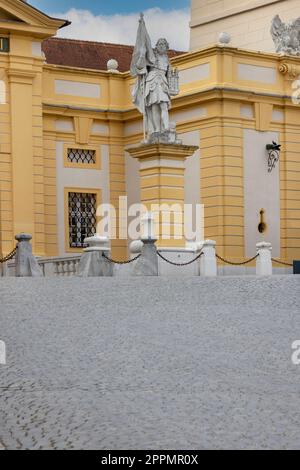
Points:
[(156, 84), (286, 37)]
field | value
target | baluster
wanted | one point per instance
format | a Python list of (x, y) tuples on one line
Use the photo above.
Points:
[(56, 268)]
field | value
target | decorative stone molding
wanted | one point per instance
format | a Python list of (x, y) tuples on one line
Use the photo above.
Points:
[(21, 76), (292, 71)]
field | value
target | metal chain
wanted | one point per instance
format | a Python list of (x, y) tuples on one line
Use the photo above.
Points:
[(282, 262), (179, 264), (237, 264), (113, 261), (8, 257)]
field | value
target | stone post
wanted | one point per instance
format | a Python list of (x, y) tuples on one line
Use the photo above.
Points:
[(147, 264), (26, 263), (264, 261), (92, 262), (208, 261)]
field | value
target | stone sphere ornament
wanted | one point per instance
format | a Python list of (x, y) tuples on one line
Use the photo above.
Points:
[(224, 38), (112, 66)]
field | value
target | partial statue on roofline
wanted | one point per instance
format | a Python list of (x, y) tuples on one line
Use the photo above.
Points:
[(286, 36), (156, 83)]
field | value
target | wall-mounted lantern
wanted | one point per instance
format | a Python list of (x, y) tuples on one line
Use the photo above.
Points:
[(273, 150), (262, 226)]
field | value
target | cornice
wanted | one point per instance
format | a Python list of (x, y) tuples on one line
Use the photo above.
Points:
[(21, 76), (25, 11), (29, 20), (188, 99), (174, 152), (79, 70)]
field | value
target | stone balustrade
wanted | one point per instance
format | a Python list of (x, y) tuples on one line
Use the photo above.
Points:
[(51, 267), (62, 266)]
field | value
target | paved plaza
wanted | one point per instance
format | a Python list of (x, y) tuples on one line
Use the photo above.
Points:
[(154, 363)]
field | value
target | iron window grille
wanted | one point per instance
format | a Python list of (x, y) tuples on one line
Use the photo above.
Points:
[(82, 218), (82, 156)]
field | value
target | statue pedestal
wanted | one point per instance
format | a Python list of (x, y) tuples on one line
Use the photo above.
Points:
[(162, 168)]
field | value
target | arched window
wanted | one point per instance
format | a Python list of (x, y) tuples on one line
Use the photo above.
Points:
[(2, 92)]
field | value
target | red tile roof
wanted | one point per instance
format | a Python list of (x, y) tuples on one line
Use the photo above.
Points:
[(88, 54)]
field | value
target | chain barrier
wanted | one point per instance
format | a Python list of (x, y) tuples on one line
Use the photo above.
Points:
[(8, 257), (179, 264), (237, 264), (282, 262), (11, 255), (113, 261)]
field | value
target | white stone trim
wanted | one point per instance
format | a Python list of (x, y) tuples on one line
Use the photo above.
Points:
[(2, 92), (162, 163), (36, 49), (189, 114), (81, 89), (255, 73), (133, 128), (278, 115), (194, 74), (247, 111), (99, 128), (64, 125)]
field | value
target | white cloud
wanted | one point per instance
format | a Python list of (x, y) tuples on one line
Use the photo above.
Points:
[(122, 28)]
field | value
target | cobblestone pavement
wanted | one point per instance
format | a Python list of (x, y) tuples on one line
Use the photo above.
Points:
[(150, 363)]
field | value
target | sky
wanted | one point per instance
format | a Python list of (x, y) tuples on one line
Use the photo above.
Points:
[(116, 20)]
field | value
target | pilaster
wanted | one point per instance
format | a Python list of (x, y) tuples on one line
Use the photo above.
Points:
[(162, 188)]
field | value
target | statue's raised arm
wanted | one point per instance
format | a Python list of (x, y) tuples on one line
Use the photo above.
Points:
[(156, 84)]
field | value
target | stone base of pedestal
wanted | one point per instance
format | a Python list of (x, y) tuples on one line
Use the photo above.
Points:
[(147, 264), (92, 262), (26, 263)]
